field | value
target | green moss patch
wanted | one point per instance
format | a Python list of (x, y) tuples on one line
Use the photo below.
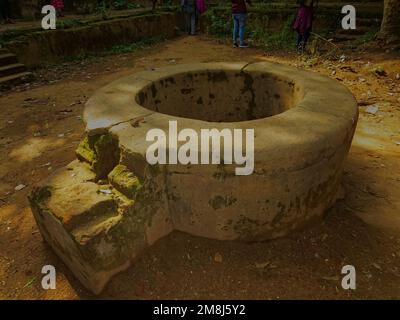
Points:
[(124, 181), (101, 152)]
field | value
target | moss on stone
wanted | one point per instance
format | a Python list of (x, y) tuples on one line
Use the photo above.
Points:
[(124, 181), (101, 152), (84, 152), (219, 202)]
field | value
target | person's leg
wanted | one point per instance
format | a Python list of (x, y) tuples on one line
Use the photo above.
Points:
[(242, 29), (193, 23), (187, 20), (197, 21), (306, 36), (4, 10), (299, 40), (8, 11), (235, 29)]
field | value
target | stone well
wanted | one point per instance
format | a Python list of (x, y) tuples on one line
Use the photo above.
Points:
[(106, 207)]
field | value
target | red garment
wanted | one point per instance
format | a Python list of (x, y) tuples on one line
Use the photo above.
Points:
[(304, 19), (58, 4), (201, 6), (239, 6)]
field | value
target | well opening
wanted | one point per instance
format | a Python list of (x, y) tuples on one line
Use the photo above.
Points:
[(221, 95)]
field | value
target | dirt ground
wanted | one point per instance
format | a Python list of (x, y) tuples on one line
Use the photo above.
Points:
[(40, 126)]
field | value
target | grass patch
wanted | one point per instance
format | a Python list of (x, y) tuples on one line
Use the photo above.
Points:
[(136, 46), (367, 37), (70, 23), (10, 35), (220, 24), (285, 39)]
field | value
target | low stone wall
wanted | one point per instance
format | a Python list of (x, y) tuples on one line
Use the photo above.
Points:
[(42, 47)]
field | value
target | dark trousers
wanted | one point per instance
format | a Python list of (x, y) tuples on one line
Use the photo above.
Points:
[(191, 22), (302, 40), (5, 9)]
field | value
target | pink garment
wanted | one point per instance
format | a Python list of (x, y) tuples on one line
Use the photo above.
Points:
[(58, 4), (201, 6), (304, 19)]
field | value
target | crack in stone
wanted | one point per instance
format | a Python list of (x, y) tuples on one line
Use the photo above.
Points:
[(129, 120)]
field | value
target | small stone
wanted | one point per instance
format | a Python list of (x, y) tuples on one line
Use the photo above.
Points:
[(46, 164), (19, 187), (105, 191), (262, 265), (218, 257), (373, 109), (380, 71), (377, 266)]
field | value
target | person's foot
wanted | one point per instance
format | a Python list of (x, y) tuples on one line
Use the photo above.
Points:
[(243, 45), (235, 45)]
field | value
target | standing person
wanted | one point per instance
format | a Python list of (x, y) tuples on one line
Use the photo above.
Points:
[(189, 7), (5, 11), (201, 8), (239, 14), (59, 6), (303, 23)]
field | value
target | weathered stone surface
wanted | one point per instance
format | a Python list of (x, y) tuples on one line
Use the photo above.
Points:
[(303, 123), (95, 230), (100, 151)]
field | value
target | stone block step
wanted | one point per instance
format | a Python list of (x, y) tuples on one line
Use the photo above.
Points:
[(7, 58), (15, 79), (3, 50), (12, 69)]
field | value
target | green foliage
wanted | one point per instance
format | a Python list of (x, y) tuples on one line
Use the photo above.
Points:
[(125, 4), (220, 25), (220, 22), (134, 6), (69, 23), (367, 37), (10, 35), (283, 39), (136, 46), (102, 9), (120, 4)]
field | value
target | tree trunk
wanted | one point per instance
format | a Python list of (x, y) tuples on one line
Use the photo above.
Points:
[(390, 28)]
